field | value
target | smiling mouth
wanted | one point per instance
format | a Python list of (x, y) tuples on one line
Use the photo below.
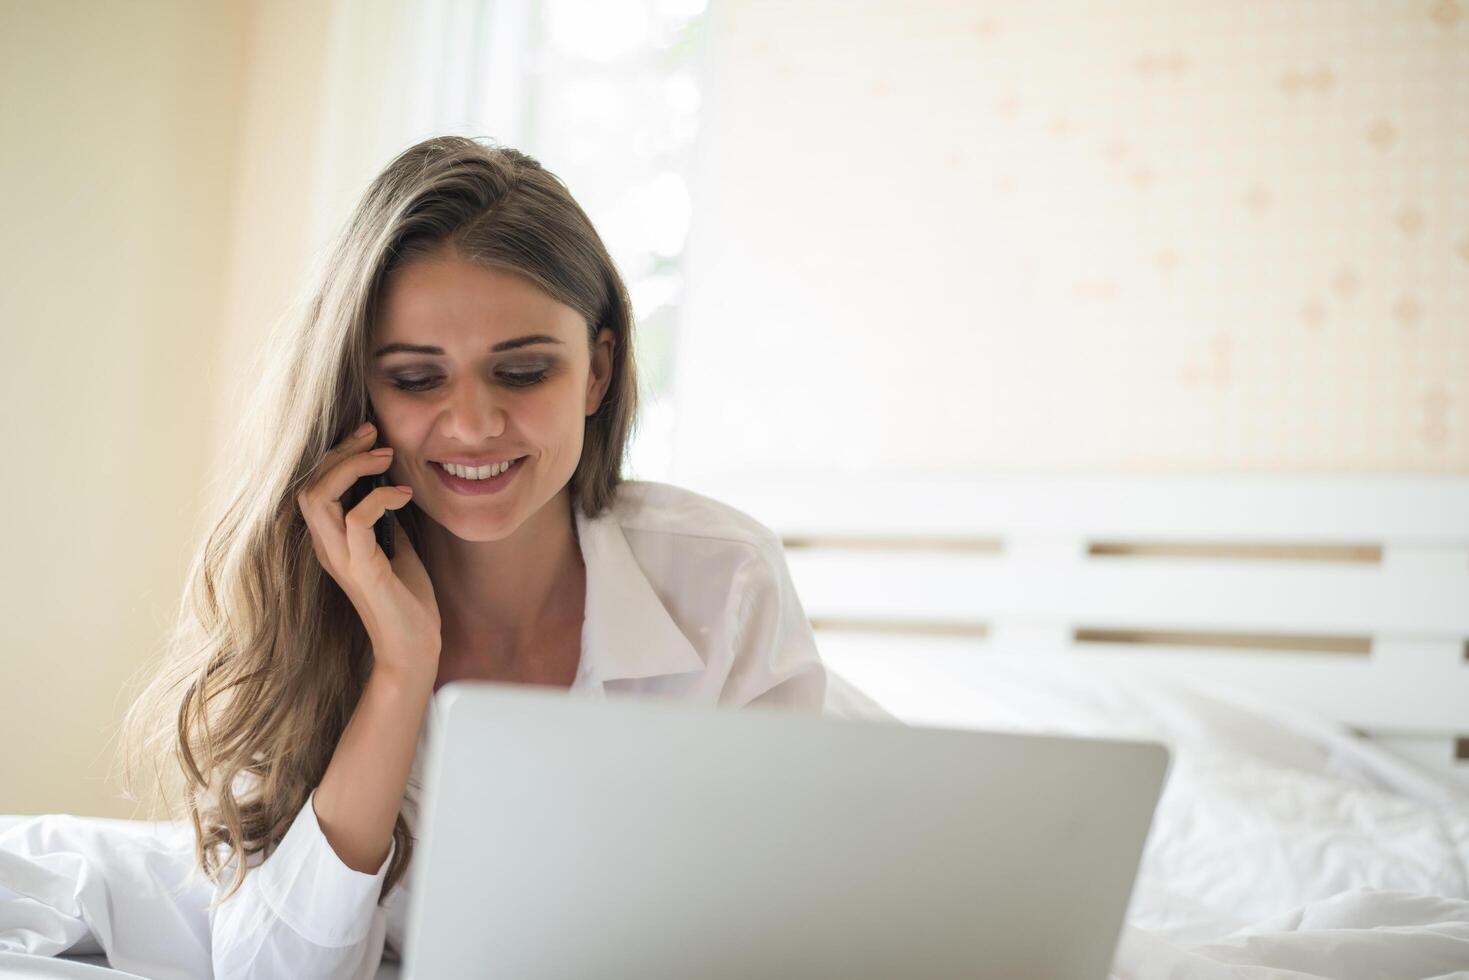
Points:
[(469, 486), (477, 472)]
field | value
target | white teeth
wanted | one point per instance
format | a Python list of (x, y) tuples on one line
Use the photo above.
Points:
[(477, 472)]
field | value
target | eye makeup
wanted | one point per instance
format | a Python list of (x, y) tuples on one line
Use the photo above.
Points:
[(517, 376)]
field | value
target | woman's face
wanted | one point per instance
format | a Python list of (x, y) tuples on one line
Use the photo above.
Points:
[(506, 372)]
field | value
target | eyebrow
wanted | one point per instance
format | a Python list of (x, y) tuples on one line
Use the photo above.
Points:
[(504, 345)]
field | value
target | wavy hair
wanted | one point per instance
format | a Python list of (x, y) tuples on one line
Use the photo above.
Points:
[(267, 659)]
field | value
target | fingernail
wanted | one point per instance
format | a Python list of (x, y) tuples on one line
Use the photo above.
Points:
[(364, 430)]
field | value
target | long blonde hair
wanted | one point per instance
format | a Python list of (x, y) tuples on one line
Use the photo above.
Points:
[(268, 658)]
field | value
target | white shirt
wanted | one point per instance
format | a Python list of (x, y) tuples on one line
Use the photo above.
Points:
[(687, 598)]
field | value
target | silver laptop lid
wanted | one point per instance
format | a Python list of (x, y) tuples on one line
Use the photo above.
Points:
[(565, 837)]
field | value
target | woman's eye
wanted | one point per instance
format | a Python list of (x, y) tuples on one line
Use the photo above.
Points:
[(524, 378), (519, 379)]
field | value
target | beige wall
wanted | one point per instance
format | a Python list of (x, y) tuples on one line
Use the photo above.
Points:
[(272, 234), (139, 139), (1133, 236)]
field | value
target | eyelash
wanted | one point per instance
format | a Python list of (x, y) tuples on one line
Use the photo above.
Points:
[(522, 379)]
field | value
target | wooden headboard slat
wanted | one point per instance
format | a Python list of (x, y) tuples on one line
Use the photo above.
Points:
[(1344, 596), (1294, 642), (1369, 554)]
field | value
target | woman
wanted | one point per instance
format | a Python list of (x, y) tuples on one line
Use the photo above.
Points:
[(471, 314)]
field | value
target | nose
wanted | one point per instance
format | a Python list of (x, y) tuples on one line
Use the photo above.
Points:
[(474, 415)]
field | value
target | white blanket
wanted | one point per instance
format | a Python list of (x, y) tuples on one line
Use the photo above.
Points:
[(1283, 847)]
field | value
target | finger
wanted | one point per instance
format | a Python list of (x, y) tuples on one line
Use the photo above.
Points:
[(351, 444), (319, 529), (348, 447), (361, 542), (321, 504), (326, 493), (405, 561)]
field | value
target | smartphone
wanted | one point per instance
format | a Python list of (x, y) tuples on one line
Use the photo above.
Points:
[(383, 529)]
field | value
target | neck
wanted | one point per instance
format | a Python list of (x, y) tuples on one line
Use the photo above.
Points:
[(493, 594)]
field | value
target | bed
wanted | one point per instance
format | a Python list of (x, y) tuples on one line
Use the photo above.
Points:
[(1301, 644)]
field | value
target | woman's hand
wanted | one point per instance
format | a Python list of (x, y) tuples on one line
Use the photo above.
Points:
[(395, 599)]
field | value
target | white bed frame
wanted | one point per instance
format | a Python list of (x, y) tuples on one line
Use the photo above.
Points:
[(1345, 596)]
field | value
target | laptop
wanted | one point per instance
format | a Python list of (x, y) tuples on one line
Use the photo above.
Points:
[(564, 837)]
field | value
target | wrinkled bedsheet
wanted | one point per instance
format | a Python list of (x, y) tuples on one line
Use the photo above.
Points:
[(1283, 847)]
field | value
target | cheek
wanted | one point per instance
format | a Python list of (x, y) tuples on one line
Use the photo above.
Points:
[(554, 414), (401, 421)]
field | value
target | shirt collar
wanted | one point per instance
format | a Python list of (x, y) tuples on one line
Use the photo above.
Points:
[(627, 631)]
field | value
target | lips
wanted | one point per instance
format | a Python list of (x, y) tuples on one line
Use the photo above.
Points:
[(478, 488)]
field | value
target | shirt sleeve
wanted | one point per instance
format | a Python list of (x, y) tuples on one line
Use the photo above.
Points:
[(301, 913), (776, 663)]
